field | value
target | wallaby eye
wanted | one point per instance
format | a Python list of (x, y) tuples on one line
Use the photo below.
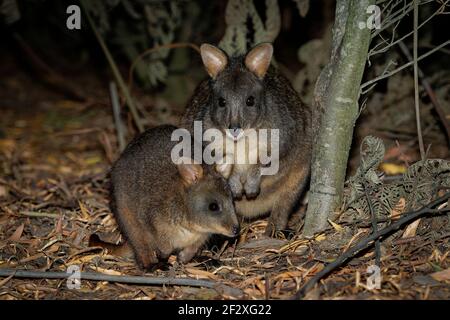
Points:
[(251, 101), (222, 102), (213, 206)]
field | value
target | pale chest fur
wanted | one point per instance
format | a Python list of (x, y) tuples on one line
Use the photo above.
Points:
[(183, 237)]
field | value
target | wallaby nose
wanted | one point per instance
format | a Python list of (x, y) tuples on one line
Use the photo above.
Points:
[(235, 230), (235, 130)]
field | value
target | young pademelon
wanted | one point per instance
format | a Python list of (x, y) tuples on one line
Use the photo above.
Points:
[(163, 207)]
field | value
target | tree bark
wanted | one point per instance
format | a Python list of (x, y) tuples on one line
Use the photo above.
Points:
[(336, 97)]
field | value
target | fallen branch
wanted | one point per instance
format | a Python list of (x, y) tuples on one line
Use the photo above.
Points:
[(368, 241), (40, 214), (219, 287)]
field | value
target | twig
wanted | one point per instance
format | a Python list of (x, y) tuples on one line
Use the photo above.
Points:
[(156, 48), (398, 41), (367, 241), (416, 82), (397, 16), (116, 112), (40, 214), (374, 226), (406, 65), (121, 279), (266, 286), (75, 132), (115, 71), (430, 92)]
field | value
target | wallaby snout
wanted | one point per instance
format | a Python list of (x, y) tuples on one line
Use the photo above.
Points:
[(235, 230), (232, 227), (235, 132), (229, 230)]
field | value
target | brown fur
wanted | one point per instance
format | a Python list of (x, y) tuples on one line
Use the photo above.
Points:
[(277, 106), (163, 208)]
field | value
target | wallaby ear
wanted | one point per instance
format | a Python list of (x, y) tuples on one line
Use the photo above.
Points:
[(214, 59), (258, 59), (190, 173)]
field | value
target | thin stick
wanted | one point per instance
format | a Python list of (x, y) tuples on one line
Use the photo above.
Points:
[(267, 286), (416, 83), (367, 241), (406, 65), (75, 132), (115, 71), (374, 226), (430, 92), (116, 112), (40, 214), (120, 279), (399, 41), (397, 16)]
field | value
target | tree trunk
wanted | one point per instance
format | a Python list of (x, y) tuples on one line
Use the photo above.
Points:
[(336, 93)]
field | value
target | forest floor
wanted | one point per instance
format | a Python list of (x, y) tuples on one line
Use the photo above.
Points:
[(54, 159)]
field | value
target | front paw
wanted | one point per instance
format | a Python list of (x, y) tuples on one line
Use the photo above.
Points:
[(252, 186), (251, 191), (236, 187), (224, 169), (186, 255), (147, 261)]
